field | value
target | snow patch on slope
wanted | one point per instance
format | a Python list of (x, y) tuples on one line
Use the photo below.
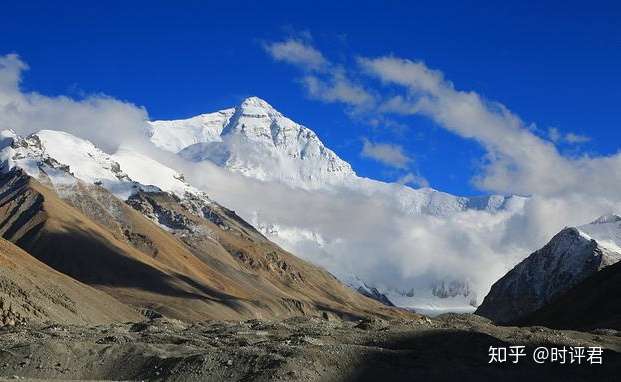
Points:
[(178, 134), (62, 158)]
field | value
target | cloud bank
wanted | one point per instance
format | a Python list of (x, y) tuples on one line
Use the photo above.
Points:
[(563, 190), (98, 118)]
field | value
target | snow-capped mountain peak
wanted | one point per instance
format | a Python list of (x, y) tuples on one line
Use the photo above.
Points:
[(175, 135), (256, 140), (61, 158), (606, 230), (570, 256), (257, 106), (606, 219)]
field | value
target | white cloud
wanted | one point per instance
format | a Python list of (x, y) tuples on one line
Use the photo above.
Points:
[(554, 135), (11, 68), (336, 89), (557, 137), (298, 53), (517, 161), (369, 235), (98, 118), (386, 153), (413, 180), (375, 237), (576, 138)]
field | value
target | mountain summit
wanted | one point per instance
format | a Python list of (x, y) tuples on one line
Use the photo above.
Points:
[(256, 140)]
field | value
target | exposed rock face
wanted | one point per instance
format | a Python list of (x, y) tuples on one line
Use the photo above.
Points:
[(570, 257), (444, 289), (375, 294), (591, 304)]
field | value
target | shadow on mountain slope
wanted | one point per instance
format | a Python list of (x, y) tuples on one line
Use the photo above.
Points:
[(464, 355), (199, 270), (593, 303)]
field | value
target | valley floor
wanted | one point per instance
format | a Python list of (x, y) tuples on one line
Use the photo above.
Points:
[(448, 347)]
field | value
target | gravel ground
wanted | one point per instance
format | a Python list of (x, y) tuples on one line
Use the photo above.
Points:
[(448, 347)]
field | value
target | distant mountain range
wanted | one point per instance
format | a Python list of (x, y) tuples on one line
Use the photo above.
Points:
[(257, 141)]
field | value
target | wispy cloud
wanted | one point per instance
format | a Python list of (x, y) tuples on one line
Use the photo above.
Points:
[(413, 180), (386, 153), (555, 135), (323, 80), (517, 160), (297, 52), (337, 88), (576, 138)]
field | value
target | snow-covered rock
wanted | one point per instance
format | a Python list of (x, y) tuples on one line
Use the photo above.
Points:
[(358, 284), (178, 134), (61, 159), (423, 301), (572, 255), (440, 297), (256, 140)]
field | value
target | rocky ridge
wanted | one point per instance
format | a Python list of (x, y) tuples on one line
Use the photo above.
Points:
[(571, 256)]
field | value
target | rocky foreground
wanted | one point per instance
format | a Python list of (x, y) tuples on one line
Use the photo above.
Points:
[(449, 347)]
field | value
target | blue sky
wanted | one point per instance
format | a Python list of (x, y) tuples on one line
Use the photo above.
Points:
[(554, 65)]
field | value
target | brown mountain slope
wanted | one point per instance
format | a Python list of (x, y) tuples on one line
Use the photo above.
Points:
[(30, 291), (226, 273), (261, 267)]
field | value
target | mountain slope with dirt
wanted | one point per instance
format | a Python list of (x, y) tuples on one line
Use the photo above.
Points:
[(33, 293), (223, 270)]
